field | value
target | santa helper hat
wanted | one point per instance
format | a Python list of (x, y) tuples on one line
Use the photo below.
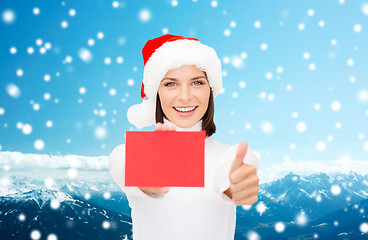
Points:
[(166, 53)]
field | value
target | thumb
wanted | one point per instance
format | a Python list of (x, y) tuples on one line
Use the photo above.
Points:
[(240, 154)]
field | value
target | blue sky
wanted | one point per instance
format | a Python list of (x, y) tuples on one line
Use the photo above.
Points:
[(295, 73)]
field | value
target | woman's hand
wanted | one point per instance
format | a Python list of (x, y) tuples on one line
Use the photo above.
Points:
[(244, 182), (159, 127)]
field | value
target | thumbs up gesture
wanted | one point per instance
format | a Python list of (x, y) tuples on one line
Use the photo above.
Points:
[(244, 182)]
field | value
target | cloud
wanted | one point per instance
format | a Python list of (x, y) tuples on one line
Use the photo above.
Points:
[(20, 161), (343, 165)]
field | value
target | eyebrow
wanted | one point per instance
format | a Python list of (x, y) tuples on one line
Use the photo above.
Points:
[(174, 79)]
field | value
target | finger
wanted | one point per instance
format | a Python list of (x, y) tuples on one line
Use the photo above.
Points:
[(150, 190), (245, 189), (164, 127), (248, 201), (165, 189), (172, 128), (240, 154), (247, 193), (242, 150), (243, 173), (157, 126), (240, 186)]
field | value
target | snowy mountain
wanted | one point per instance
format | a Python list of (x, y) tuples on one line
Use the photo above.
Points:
[(317, 194), (296, 202), (76, 209), (53, 212), (343, 224), (314, 196)]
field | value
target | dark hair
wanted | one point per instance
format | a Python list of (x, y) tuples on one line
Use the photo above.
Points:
[(207, 118)]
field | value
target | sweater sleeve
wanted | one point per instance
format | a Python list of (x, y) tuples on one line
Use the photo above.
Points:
[(116, 163), (222, 179)]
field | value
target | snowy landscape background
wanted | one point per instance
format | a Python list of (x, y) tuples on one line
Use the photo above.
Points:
[(75, 197), (295, 87)]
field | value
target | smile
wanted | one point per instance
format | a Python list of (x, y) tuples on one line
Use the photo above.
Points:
[(185, 109)]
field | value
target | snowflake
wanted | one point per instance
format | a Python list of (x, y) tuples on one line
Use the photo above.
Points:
[(279, 227), (261, 207), (301, 219), (335, 189), (301, 127), (35, 235), (39, 144), (145, 15)]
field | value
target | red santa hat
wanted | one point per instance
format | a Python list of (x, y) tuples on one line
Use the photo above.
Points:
[(166, 53)]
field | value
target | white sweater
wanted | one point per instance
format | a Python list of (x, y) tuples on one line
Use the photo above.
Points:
[(185, 212)]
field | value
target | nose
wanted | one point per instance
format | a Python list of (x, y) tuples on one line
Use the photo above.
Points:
[(185, 93)]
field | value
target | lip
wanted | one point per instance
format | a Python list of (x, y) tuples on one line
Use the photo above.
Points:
[(186, 114), (185, 106)]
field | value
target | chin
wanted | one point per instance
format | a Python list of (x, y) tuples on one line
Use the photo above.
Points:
[(186, 123)]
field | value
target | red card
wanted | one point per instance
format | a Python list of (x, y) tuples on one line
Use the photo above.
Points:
[(164, 159)]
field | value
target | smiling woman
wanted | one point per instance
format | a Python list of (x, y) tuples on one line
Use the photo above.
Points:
[(198, 82), (184, 95), (181, 79)]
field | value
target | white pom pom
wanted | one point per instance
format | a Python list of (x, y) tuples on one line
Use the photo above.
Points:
[(142, 115)]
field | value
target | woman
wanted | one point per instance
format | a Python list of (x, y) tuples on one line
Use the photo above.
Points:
[(181, 79)]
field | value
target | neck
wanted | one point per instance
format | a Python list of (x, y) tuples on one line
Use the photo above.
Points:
[(196, 127)]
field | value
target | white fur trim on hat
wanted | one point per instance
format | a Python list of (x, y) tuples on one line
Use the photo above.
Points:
[(143, 114), (173, 55)]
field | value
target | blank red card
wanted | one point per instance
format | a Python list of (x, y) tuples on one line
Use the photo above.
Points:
[(164, 159)]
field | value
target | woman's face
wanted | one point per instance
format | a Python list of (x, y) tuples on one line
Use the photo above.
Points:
[(184, 94)]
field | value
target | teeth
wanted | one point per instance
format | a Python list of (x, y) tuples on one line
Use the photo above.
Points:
[(185, 109)]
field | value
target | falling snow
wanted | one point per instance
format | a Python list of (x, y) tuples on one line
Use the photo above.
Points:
[(336, 190), (13, 90), (261, 208), (35, 235), (106, 224), (301, 127), (130, 82), (107, 195), (321, 146), (64, 24), (52, 237), (27, 129), (363, 227), (36, 11), (8, 16), (39, 144), (362, 96), (72, 12), (214, 3), (267, 127), (301, 219), (264, 46), (22, 217), (145, 15), (257, 24), (13, 50), (335, 106), (255, 73), (100, 35), (85, 54), (49, 182), (280, 227)]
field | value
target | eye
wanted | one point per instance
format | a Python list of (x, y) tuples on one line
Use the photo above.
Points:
[(170, 84), (197, 83)]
